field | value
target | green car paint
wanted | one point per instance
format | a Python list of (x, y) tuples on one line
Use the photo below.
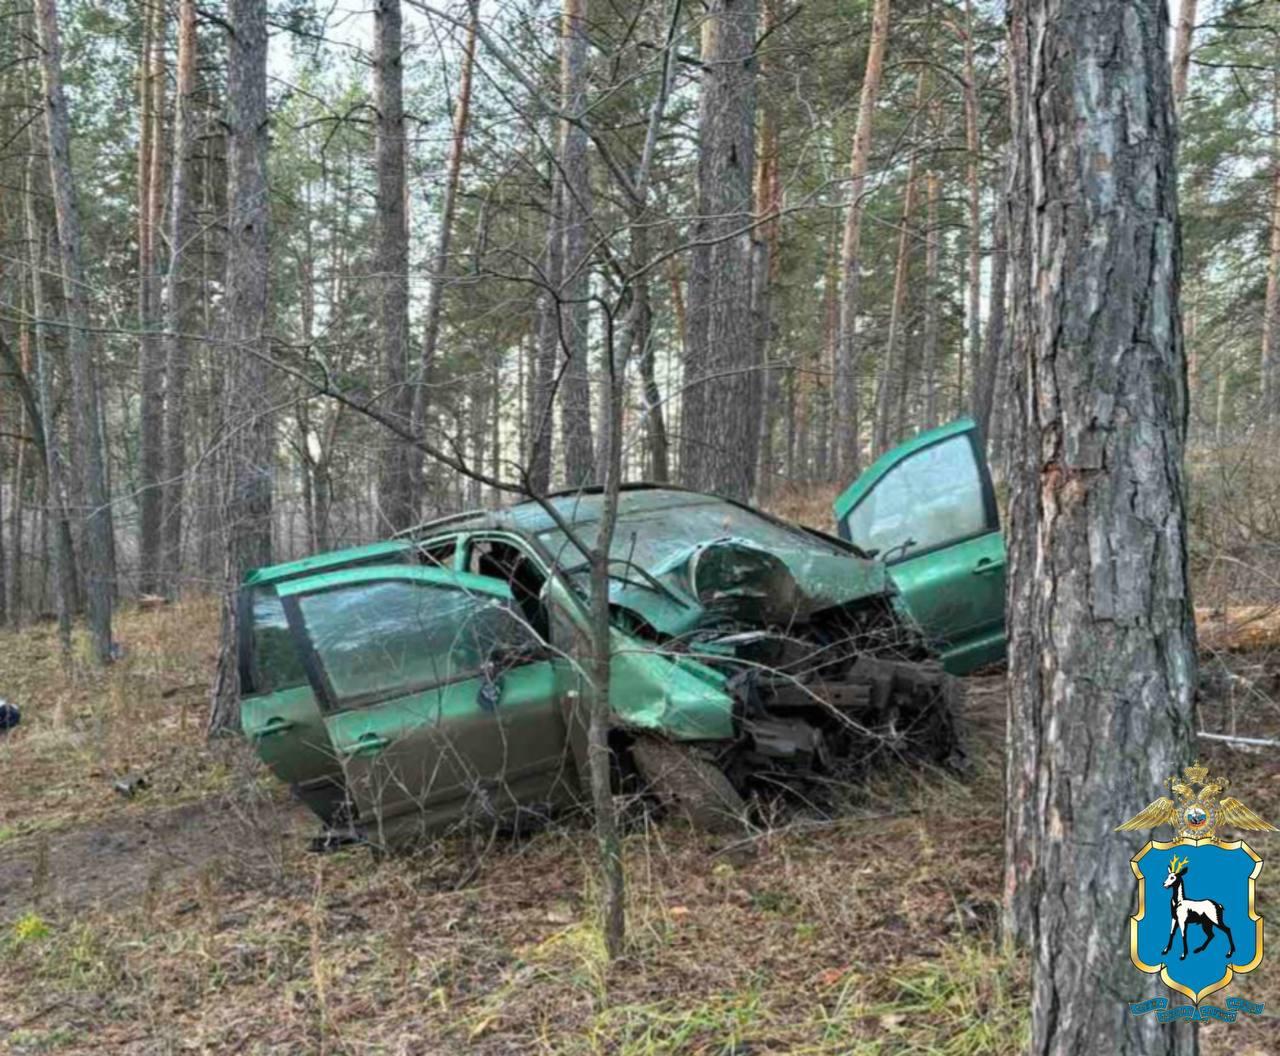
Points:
[(412, 751), (279, 712), (929, 509), (382, 552)]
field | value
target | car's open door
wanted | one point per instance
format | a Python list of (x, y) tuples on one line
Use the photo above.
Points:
[(927, 508), (439, 698)]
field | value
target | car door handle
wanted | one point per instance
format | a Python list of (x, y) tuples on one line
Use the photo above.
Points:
[(275, 724), (367, 744), (987, 567)]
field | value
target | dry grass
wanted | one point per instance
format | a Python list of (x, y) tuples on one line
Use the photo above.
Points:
[(870, 935), (83, 730), (873, 935)]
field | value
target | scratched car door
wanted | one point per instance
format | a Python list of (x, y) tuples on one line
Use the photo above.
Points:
[(427, 676), (928, 509)]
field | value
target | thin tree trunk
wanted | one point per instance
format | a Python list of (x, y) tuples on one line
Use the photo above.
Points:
[(766, 262), (974, 186), (575, 407), (929, 353), (1271, 307), (844, 406), (893, 369), (250, 446), (599, 754), (180, 315), (397, 502), (1102, 642), (151, 358), (55, 504), (1182, 49), (547, 375), (988, 367), (444, 237), (92, 456)]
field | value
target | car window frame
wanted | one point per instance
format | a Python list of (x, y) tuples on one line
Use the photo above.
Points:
[(991, 511), (432, 576)]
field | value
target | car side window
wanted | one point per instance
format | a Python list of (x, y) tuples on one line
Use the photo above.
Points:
[(275, 661), (388, 638), (931, 498)]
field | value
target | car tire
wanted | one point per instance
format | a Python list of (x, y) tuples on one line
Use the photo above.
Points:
[(689, 785)]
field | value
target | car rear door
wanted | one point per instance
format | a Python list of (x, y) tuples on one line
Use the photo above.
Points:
[(439, 699), (279, 712), (929, 510)]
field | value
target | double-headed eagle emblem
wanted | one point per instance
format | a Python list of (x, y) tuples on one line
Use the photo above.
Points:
[(1198, 815)]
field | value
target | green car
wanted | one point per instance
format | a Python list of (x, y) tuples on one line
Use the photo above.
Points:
[(437, 680), (928, 511)]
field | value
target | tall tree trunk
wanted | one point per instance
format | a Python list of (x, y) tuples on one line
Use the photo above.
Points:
[(987, 368), (974, 187), (546, 369), (929, 352), (250, 444), (181, 317), (893, 369), (62, 554), (444, 237), (151, 359), (766, 264), (722, 436), (575, 406), (1271, 307), (397, 502), (844, 407), (95, 502), (1102, 643), (1182, 49)]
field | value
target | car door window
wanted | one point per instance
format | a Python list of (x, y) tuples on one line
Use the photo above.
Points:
[(385, 639), (275, 663), (932, 498)]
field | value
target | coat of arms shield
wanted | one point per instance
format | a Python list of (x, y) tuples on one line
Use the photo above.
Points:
[(1196, 924)]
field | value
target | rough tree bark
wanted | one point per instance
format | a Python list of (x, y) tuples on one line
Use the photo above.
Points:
[(1182, 49), (848, 352), (95, 502), (444, 237), (249, 443), (973, 186), (1102, 643), (575, 405), (721, 446), (151, 360), (181, 317), (397, 502)]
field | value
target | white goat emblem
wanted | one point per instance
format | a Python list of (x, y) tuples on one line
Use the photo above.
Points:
[(1183, 911)]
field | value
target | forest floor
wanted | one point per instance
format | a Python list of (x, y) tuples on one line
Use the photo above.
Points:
[(189, 918)]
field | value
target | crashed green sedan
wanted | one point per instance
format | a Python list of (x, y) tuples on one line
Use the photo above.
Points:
[(436, 679)]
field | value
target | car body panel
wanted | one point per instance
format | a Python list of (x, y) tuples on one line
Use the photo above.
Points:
[(952, 585), (286, 724), (421, 725)]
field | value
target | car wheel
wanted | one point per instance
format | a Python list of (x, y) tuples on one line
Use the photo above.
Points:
[(690, 785)]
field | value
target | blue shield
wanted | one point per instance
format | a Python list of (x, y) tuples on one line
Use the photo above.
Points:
[(1209, 903)]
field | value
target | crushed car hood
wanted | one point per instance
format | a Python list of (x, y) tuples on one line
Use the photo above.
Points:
[(731, 579)]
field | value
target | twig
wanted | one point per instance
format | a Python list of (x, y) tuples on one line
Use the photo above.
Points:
[(1250, 742)]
